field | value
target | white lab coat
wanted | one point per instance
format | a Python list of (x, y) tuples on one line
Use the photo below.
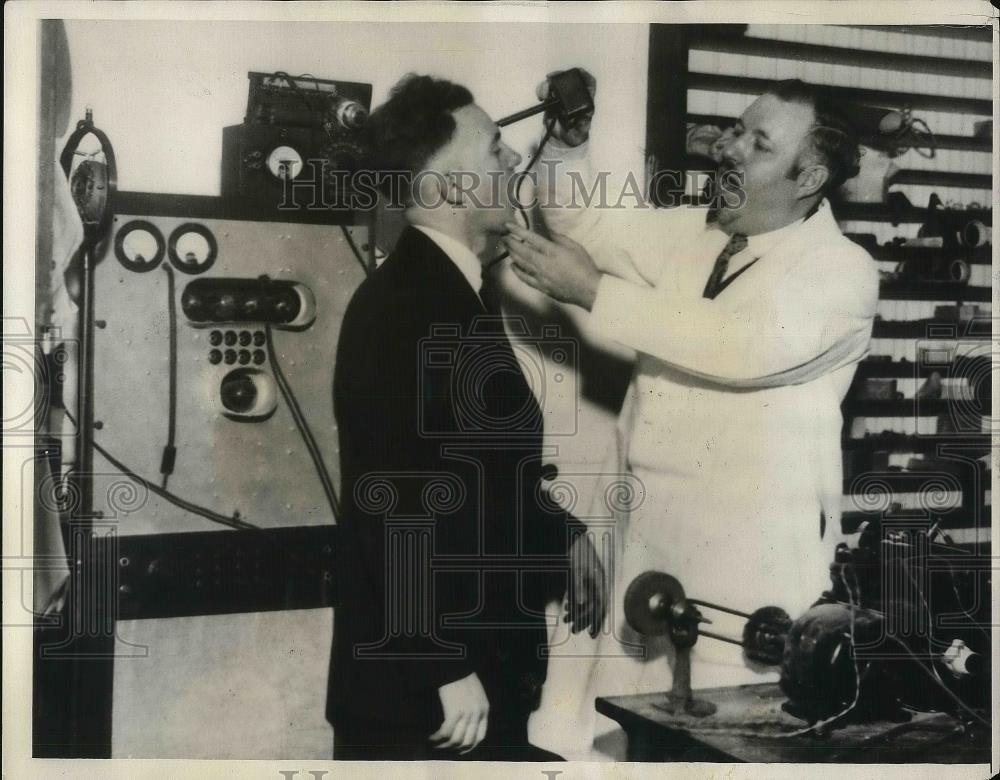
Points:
[(732, 422)]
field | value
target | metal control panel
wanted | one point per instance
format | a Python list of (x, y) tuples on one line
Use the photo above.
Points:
[(205, 320)]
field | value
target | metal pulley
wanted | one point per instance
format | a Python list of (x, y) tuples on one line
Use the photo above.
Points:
[(656, 605)]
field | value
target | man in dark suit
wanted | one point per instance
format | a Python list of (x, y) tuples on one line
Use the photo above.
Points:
[(449, 547)]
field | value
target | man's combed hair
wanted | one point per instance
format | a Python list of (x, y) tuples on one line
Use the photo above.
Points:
[(834, 138), (407, 130)]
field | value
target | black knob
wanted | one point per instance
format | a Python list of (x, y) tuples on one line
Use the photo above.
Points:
[(193, 305), (230, 338), (259, 356), (245, 338), (244, 357), (230, 356), (251, 306), (215, 357), (287, 306), (225, 307), (238, 392), (215, 338), (258, 338)]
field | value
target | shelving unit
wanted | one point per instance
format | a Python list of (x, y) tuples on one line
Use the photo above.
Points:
[(944, 76)]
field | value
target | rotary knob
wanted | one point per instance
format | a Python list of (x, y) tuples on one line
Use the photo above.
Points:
[(225, 307), (193, 305), (239, 393)]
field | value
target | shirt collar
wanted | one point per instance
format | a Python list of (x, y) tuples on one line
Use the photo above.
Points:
[(463, 257), (762, 243)]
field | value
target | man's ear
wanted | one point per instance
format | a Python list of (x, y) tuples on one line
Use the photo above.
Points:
[(452, 192), (432, 189), (812, 179)]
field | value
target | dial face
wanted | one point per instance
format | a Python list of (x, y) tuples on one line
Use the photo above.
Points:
[(139, 246), (284, 162), (192, 248)]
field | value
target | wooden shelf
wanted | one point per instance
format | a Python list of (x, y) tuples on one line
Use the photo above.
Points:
[(961, 143), (908, 291), (976, 181), (904, 407), (928, 329), (898, 253), (977, 444), (908, 482), (881, 212), (747, 85), (840, 55), (950, 520), (974, 32), (888, 369)]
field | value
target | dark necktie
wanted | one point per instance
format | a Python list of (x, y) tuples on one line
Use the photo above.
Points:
[(737, 243)]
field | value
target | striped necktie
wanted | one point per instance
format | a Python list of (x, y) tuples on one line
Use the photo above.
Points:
[(737, 243)]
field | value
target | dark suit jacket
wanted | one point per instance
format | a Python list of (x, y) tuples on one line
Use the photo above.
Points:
[(445, 529)]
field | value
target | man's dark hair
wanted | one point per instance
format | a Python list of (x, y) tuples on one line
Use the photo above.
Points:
[(407, 130), (832, 137)]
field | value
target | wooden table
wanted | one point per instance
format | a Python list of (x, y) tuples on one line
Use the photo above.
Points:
[(749, 726)]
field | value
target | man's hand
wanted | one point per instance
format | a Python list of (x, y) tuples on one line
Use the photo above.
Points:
[(466, 714), (562, 269), (588, 589), (579, 130)]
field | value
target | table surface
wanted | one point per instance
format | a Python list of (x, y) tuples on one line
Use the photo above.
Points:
[(751, 726)]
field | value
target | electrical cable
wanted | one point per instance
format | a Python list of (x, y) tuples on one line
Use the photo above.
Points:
[(549, 127), (232, 522), (170, 450), (355, 250), (857, 673), (951, 694), (302, 425)]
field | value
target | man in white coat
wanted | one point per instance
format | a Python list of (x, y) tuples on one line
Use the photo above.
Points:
[(748, 322)]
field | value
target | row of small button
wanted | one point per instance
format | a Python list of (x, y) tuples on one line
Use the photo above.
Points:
[(230, 337), (231, 356)]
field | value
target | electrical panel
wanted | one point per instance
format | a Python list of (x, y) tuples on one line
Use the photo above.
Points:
[(215, 342)]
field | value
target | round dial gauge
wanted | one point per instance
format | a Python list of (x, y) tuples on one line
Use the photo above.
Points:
[(192, 248), (284, 162), (139, 246)]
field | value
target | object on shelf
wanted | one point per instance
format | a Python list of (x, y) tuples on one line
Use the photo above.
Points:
[(936, 270), (934, 464), (879, 390), (946, 425), (975, 233), (875, 174), (931, 241), (983, 129), (707, 141), (931, 388), (962, 313), (867, 241)]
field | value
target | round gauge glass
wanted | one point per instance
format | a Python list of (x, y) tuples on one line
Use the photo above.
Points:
[(192, 248), (139, 246), (284, 162)]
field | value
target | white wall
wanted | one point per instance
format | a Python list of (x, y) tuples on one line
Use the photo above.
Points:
[(163, 91)]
